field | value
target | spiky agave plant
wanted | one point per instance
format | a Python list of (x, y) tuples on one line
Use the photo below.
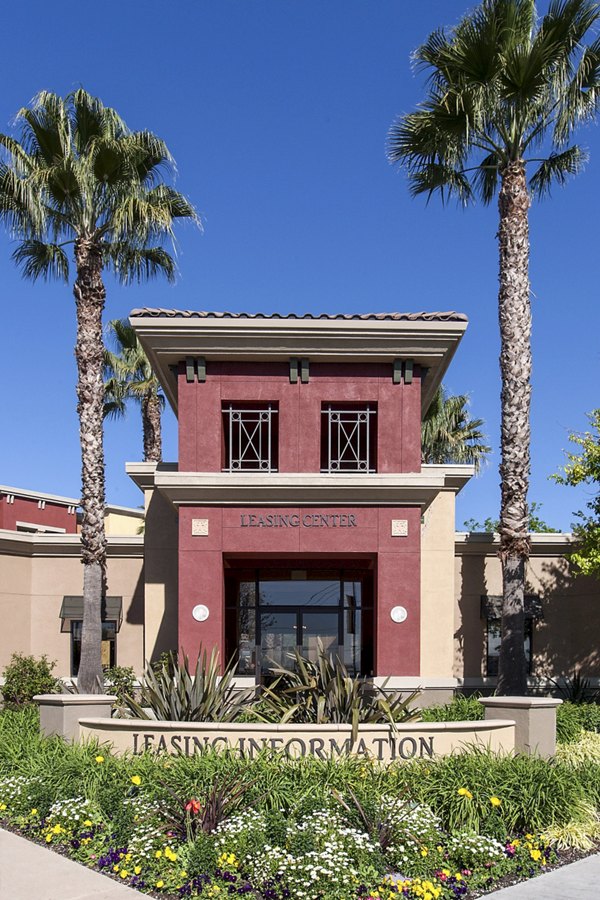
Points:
[(322, 691), (171, 692)]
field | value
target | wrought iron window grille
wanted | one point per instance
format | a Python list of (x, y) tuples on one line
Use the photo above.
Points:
[(348, 439), (250, 438)]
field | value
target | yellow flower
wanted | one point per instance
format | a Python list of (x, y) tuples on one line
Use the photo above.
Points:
[(135, 779), (57, 829), (465, 792), (424, 851), (48, 838), (183, 874), (535, 854), (116, 868), (99, 759), (2, 806), (88, 823), (123, 873), (495, 801), (137, 870), (158, 854), (34, 812), (160, 883)]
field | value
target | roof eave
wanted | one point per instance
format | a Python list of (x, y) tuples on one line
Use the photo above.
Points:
[(431, 343)]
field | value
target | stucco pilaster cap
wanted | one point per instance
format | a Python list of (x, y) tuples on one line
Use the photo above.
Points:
[(520, 702)]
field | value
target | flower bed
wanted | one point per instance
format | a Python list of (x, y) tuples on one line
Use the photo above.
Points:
[(218, 825)]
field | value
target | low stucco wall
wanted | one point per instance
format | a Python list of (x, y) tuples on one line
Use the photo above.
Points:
[(418, 740)]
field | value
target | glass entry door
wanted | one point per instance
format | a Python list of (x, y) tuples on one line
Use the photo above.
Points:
[(272, 612), (278, 639), (283, 631)]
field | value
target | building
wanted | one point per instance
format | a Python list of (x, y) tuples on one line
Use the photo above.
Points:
[(299, 514)]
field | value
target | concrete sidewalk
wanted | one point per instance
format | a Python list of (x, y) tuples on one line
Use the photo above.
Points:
[(31, 872), (576, 881)]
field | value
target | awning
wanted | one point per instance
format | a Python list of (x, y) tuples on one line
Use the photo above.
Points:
[(72, 608), (491, 607)]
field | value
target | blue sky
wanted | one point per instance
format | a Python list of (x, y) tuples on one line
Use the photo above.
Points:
[(277, 112)]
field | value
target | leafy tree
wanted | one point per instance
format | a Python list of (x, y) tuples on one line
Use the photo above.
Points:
[(584, 468), (129, 375), (536, 524), (449, 434), (78, 177), (506, 91)]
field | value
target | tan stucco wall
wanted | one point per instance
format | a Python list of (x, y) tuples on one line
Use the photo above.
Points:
[(566, 638), (437, 588), (161, 581), (15, 606), (31, 593), (123, 523)]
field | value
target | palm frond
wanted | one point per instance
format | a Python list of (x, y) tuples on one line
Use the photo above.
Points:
[(499, 82), (115, 395), (37, 259), (437, 177), (131, 263), (46, 130), (20, 208), (450, 435), (556, 169), (92, 120), (486, 177)]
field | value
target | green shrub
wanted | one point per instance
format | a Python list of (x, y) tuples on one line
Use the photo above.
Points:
[(120, 682), (26, 676), (572, 718), (460, 709)]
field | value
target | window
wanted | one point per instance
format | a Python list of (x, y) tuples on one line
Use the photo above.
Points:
[(493, 637), (109, 640), (348, 438), (250, 437)]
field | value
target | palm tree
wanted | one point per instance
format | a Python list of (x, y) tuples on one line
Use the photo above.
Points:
[(128, 374), (449, 434), (506, 92), (77, 176)]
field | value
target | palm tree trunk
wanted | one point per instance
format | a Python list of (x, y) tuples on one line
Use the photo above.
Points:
[(151, 427), (89, 299), (515, 368)]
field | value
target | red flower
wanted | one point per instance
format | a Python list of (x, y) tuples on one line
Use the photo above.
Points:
[(192, 806)]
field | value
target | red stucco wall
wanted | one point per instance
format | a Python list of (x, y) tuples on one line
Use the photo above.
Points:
[(24, 509), (398, 412), (201, 561)]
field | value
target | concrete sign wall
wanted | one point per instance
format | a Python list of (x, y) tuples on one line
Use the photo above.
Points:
[(419, 740)]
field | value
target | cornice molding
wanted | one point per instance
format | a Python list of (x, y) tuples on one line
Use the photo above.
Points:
[(302, 488), (15, 543), (482, 543), (167, 340)]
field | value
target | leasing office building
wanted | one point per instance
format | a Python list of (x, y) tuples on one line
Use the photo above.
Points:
[(299, 510)]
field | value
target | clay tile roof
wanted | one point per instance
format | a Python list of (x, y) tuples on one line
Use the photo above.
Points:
[(398, 316)]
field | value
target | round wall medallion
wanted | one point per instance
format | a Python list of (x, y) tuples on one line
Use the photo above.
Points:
[(200, 612), (398, 614)]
